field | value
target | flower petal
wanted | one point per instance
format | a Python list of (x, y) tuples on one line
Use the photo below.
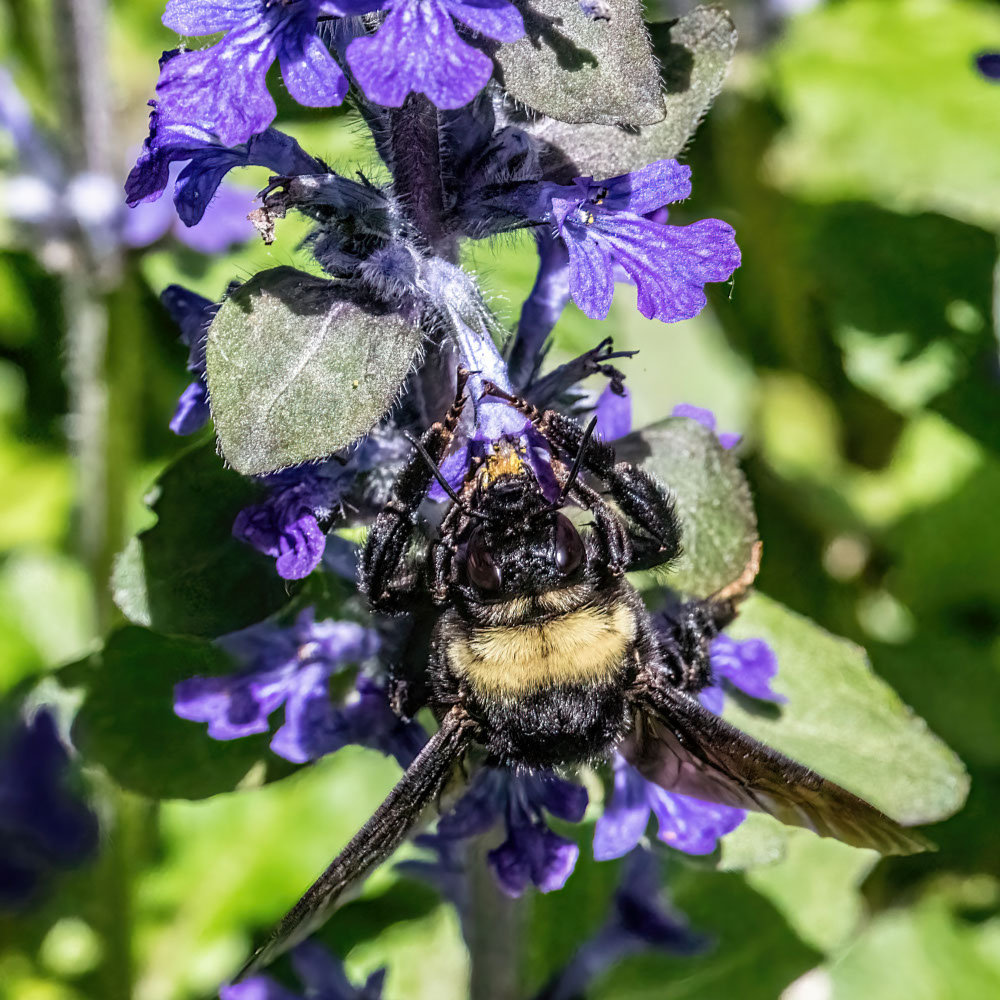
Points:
[(311, 74), (418, 50)]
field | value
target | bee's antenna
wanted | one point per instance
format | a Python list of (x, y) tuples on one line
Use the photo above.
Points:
[(574, 471), (439, 476)]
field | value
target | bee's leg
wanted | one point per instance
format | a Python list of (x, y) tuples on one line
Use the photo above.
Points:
[(646, 504), (685, 633), (383, 561)]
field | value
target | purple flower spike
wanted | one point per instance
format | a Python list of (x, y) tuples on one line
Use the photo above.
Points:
[(322, 977), (43, 825), (728, 439), (223, 89), (291, 667), (688, 824), (604, 224), (749, 665), (532, 853), (418, 50)]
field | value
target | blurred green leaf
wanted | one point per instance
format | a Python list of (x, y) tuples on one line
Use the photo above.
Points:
[(299, 368), (921, 953), (846, 723), (694, 54), (570, 67), (127, 722), (234, 864), (817, 887), (883, 101), (718, 524), (187, 573)]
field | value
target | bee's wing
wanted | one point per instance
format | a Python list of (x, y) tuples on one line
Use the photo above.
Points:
[(684, 748), (423, 781)]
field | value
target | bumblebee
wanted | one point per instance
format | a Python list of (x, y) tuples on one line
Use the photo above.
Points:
[(542, 653)]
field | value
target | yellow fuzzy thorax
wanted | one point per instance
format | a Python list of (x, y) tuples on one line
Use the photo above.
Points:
[(579, 647)]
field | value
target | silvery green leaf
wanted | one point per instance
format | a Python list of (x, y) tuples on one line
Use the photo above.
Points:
[(300, 367), (576, 69), (694, 52), (718, 523)]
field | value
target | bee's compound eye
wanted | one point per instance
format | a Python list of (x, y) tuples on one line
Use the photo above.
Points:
[(569, 546), (482, 571)]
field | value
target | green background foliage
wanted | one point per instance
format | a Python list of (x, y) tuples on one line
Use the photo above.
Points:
[(856, 152)]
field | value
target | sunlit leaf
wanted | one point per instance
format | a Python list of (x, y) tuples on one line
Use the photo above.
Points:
[(299, 367), (718, 524), (694, 53), (579, 70)]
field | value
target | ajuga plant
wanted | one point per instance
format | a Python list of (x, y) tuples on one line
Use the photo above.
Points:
[(418, 535)]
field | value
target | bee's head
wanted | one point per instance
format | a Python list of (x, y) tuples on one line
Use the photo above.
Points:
[(522, 555)]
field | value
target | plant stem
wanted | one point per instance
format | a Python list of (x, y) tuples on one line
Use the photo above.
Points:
[(416, 166), (495, 933)]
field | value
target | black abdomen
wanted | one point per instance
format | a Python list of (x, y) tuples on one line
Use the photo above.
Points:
[(557, 725)]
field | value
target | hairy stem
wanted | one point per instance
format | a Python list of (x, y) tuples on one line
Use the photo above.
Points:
[(495, 930), (416, 167)]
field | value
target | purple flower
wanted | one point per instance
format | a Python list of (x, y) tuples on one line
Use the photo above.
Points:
[(686, 823), (988, 63), (173, 140), (603, 225), (291, 667), (418, 50), (614, 413), (322, 977), (193, 314), (749, 665), (223, 88), (728, 439), (532, 853), (491, 418), (223, 225), (43, 824), (639, 921)]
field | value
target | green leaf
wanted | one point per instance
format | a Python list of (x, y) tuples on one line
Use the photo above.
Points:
[(127, 722), (187, 573), (718, 524), (923, 951), (577, 70), (694, 53), (845, 722), (299, 367), (883, 101)]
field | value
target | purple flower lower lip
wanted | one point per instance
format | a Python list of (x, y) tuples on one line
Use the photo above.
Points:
[(607, 224), (688, 824), (223, 89), (531, 853), (418, 50)]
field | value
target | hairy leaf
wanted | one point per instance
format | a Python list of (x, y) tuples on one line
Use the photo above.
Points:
[(844, 721), (578, 70), (127, 723), (300, 367), (719, 527), (694, 53), (187, 574)]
